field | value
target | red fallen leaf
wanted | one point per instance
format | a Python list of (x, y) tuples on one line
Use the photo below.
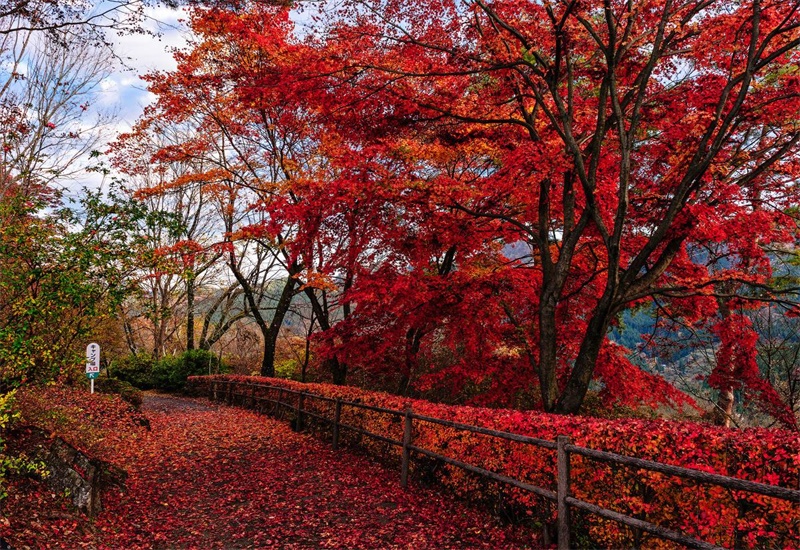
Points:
[(271, 485)]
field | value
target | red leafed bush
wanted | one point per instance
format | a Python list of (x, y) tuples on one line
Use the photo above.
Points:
[(724, 517)]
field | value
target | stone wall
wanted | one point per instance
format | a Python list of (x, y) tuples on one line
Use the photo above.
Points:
[(73, 473)]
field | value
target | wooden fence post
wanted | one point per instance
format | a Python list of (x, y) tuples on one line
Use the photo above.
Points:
[(230, 392), (563, 491), (253, 397), (337, 415), (299, 415), (406, 451)]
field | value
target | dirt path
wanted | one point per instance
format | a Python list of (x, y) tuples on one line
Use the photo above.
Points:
[(168, 404), (207, 476)]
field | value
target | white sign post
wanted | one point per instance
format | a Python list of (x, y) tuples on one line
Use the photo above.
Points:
[(92, 363)]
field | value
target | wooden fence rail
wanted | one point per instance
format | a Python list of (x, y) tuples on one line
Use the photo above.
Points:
[(230, 390)]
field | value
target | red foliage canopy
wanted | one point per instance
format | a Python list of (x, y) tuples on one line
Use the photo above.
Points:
[(488, 186)]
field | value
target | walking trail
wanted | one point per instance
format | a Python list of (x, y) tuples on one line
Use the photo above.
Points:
[(209, 476)]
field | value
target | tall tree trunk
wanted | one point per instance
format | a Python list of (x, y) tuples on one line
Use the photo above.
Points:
[(723, 409), (413, 345), (548, 356), (577, 385), (271, 335), (159, 337), (415, 335), (307, 354), (269, 331), (306, 357), (130, 339), (337, 369), (221, 309), (190, 313), (723, 412)]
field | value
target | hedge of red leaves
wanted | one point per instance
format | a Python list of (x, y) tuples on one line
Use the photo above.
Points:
[(98, 424), (725, 517)]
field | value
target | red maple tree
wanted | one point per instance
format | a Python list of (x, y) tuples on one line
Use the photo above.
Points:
[(509, 177), (625, 139)]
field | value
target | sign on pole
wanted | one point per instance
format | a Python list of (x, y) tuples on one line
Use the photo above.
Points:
[(92, 363)]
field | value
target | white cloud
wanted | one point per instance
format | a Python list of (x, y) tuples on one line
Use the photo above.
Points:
[(108, 84), (144, 53), (152, 52), (123, 92), (109, 94), (9, 66)]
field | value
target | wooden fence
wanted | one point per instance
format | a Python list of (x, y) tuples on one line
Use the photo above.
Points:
[(244, 394)]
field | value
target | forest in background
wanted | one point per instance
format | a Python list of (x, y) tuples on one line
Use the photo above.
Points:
[(572, 207)]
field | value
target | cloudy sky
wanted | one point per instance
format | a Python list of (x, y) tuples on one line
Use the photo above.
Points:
[(147, 53), (124, 93), (124, 90)]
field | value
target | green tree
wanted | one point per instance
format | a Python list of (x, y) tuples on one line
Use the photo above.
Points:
[(61, 271)]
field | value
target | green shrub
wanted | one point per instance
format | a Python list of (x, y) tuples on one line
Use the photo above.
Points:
[(288, 368), (124, 389), (168, 373), (7, 417), (201, 361), (136, 370), (171, 372)]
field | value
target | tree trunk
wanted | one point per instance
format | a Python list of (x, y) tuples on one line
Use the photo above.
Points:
[(577, 385), (413, 344), (274, 329), (190, 313), (159, 337), (723, 412), (221, 309), (307, 355), (337, 369), (306, 358), (130, 339), (548, 357), (268, 331)]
